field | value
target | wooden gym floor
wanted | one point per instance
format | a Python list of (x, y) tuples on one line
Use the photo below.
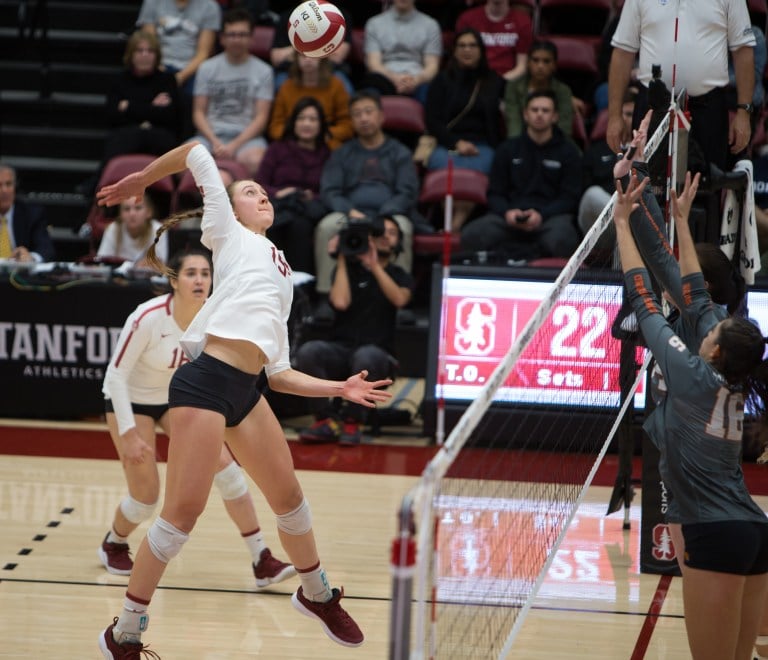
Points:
[(59, 484)]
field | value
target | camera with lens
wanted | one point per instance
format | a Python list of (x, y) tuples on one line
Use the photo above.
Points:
[(353, 238)]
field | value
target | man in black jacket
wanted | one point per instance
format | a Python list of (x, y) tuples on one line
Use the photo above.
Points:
[(25, 224), (533, 190)]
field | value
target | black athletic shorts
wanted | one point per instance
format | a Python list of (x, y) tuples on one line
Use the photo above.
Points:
[(211, 384), (730, 546), (155, 411)]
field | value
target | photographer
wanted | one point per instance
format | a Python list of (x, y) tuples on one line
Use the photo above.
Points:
[(370, 175), (366, 292)]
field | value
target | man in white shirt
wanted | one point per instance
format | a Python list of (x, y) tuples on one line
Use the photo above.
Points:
[(691, 41), (233, 97)]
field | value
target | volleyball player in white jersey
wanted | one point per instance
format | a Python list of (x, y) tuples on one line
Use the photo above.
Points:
[(213, 399), (136, 390)]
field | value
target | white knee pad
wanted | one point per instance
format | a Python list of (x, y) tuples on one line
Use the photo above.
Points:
[(296, 522), (231, 482), (136, 512), (165, 541)]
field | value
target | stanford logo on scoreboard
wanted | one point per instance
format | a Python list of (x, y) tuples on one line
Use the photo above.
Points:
[(475, 332)]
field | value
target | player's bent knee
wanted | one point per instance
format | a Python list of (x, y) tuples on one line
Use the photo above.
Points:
[(231, 482), (165, 541), (135, 511), (296, 522)]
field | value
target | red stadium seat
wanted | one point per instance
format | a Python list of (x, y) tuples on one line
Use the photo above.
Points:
[(577, 63), (403, 118), (118, 167), (600, 127), (187, 195), (573, 17), (261, 41), (758, 11), (468, 185)]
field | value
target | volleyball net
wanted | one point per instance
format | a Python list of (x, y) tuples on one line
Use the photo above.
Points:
[(479, 531)]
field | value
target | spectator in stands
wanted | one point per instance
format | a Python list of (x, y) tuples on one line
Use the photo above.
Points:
[(136, 399), (143, 106), (599, 183), (368, 176), (233, 96), (542, 65), (507, 35), (403, 48), (290, 173), (699, 60), (313, 76), (533, 190), (187, 32), (130, 235), (366, 293), (23, 231), (462, 112), (281, 53)]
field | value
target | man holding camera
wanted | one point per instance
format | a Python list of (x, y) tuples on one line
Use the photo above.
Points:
[(533, 190), (368, 176), (366, 292)]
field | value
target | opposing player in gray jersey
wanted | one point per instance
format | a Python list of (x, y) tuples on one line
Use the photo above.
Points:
[(240, 331), (725, 285), (698, 429), (136, 391)]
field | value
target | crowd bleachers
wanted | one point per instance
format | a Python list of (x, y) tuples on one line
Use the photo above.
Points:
[(54, 88)]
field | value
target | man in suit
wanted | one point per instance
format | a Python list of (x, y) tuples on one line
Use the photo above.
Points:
[(28, 238)]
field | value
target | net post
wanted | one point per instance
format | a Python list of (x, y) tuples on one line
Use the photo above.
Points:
[(447, 217), (403, 566)]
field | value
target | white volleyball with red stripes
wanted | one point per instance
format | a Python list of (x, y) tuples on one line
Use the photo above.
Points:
[(316, 28)]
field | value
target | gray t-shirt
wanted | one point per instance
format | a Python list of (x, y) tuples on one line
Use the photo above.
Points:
[(403, 39), (232, 90), (179, 28)]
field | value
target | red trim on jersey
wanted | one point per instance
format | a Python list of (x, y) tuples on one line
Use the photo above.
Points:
[(164, 305)]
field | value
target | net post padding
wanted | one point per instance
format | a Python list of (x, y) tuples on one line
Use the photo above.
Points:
[(420, 499)]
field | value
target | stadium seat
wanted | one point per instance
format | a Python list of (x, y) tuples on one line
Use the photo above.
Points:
[(557, 263), (758, 12), (187, 194), (403, 118), (579, 131), (573, 17), (261, 41), (118, 167), (467, 185), (600, 127), (577, 63)]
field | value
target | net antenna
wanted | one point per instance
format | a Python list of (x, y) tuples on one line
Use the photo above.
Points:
[(480, 529)]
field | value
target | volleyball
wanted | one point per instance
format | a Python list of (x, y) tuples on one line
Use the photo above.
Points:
[(316, 28)]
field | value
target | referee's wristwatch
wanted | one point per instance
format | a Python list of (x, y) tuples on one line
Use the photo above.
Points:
[(745, 106)]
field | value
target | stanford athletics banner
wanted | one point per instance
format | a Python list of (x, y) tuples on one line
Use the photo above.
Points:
[(55, 346)]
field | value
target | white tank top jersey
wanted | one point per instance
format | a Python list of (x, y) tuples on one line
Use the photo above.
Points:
[(147, 353), (252, 282)]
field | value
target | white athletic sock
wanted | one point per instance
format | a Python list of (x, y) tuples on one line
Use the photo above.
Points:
[(255, 543), (315, 585), (132, 622), (114, 537)]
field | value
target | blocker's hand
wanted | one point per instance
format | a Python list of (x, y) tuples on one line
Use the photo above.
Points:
[(365, 392), (635, 150)]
